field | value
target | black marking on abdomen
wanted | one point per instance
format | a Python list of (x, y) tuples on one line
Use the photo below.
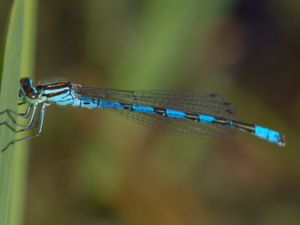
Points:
[(127, 106), (235, 124), (194, 117), (244, 126), (160, 111)]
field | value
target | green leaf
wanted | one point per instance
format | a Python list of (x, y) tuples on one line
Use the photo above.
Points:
[(17, 59)]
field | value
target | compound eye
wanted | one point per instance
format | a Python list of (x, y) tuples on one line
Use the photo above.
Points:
[(24, 81), (32, 95)]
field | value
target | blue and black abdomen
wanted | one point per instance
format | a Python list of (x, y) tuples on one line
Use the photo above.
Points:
[(180, 113)]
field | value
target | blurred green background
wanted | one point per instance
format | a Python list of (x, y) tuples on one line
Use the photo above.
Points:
[(92, 167)]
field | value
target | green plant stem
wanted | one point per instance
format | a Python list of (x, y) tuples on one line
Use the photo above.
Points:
[(17, 59)]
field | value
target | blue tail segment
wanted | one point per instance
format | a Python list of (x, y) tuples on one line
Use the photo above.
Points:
[(142, 108), (110, 104), (206, 118), (175, 114), (270, 135)]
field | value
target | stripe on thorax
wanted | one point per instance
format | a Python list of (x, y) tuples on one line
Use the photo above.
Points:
[(56, 89), (56, 93), (56, 86)]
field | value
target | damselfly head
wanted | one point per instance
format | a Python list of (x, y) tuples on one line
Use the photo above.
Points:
[(27, 92)]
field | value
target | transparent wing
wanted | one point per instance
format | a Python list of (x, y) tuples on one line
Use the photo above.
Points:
[(176, 126), (196, 103), (207, 103)]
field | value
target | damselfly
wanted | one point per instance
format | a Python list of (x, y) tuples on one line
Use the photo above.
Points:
[(183, 113)]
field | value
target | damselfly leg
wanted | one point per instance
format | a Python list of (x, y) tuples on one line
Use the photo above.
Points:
[(11, 124), (36, 121)]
